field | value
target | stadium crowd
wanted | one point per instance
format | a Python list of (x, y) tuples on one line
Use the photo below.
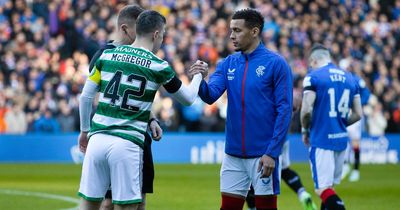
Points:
[(46, 47)]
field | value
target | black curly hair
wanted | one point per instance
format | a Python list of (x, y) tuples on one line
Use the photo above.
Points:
[(252, 18)]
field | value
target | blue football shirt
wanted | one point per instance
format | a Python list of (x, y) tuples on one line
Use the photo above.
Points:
[(335, 90)]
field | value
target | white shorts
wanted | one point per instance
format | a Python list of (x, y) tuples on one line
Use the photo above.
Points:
[(238, 174), (111, 160), (285, 158), (348, 155), (326, 167), (354, 131)]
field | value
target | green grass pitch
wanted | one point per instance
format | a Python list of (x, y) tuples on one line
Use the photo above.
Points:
[(182, 187)]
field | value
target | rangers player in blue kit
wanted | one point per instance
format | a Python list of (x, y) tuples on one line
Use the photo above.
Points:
[(329, 95), (259, 86)]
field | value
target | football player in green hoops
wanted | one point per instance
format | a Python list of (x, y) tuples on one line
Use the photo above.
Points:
[(127, 78)]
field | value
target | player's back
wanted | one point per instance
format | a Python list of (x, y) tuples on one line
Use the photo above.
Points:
[(335, 90), (128, 81)]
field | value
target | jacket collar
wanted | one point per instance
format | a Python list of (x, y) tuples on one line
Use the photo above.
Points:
[(260, 48)]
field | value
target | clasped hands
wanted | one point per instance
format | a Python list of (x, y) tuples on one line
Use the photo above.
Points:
[(199, 67)]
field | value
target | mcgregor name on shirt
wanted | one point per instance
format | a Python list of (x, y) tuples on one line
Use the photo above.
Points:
[(131, 59)]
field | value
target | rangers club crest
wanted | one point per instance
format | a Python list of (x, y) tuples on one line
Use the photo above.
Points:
[(260, 71)]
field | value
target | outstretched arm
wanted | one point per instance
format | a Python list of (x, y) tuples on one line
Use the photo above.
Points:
[(211, 91), (186, 95)]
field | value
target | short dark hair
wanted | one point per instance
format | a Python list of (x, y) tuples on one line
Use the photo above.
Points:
[(149, 21), (318, 46), (252, 18), (129, 14), (320, 52)]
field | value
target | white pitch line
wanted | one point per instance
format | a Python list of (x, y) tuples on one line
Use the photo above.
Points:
[(43, 195)]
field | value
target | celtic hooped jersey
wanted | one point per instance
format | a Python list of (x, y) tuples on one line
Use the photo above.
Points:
[(128, 79)]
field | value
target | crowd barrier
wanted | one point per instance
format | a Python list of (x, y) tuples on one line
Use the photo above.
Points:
[(195, 148)]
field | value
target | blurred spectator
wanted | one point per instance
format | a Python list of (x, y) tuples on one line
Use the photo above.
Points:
[(208, 53), (396, 10), (65, 118), (210, 120), (46, 123), (396, 115), (3, 111), (191, 115), (16, 120), (168, 115), (377, 122)]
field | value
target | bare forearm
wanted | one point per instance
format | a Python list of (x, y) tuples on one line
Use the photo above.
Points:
[(307, 109), (354, 117), (306, 120), (356, 112)]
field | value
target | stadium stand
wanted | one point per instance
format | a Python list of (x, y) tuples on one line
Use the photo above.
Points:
[(45, 49)]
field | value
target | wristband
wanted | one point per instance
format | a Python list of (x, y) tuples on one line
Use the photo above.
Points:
[(305, 130), (153, 119)]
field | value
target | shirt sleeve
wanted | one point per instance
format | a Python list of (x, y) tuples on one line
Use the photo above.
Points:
[(309, 83), (95, 75), (186, 95), (85, 104), (283, 99), (216, 86), (94, 59), (166, 74)]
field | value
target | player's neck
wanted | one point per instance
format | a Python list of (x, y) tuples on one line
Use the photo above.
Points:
[(118, 42), (252, 47), (323, 63), (143, 43), (122, 41)]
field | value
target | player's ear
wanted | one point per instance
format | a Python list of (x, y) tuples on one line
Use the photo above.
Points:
[(156, 34), (255, 31), (124, 28)]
